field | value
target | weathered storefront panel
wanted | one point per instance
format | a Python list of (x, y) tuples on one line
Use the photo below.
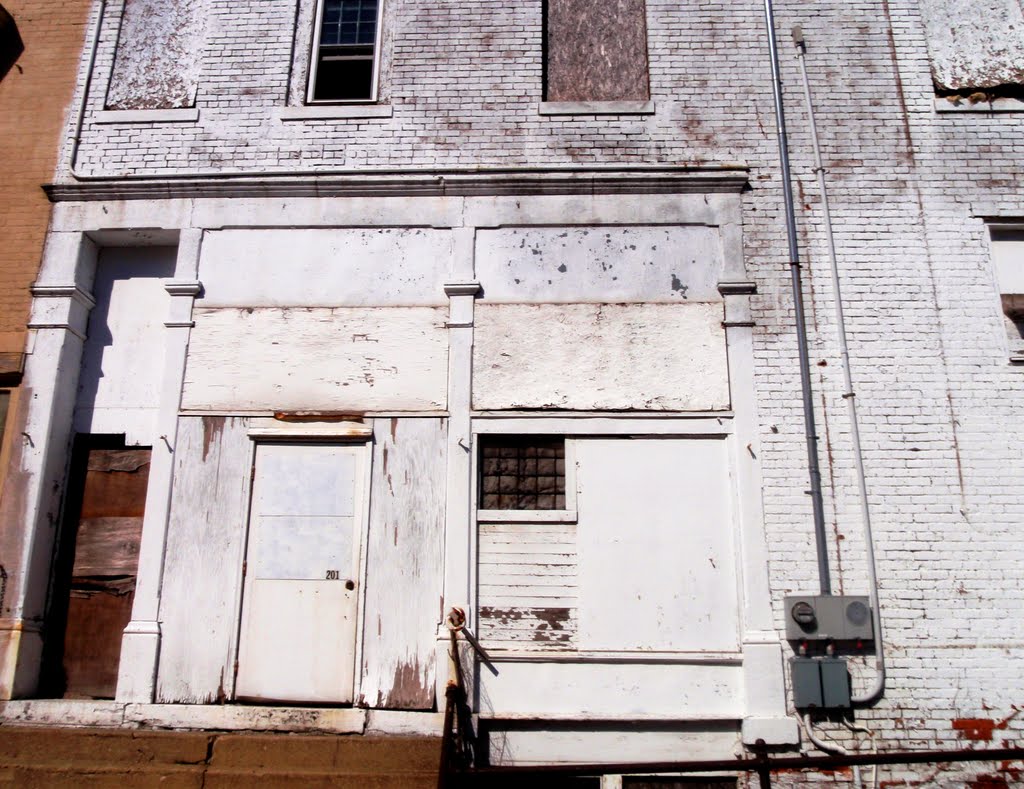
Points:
[(600, 356), (404, 563), (205, 547), (609, 264), (612, 690), (350, 267), (323, 359)]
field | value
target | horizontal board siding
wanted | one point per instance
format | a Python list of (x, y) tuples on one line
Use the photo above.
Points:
[(527, 586)]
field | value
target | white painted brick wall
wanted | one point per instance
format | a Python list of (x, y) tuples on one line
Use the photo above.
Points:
[(942, 411)]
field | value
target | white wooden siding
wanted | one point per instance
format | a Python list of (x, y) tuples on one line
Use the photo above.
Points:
[(404, 563), (203, 564), (528, 586), (317, 359), (600, 356)]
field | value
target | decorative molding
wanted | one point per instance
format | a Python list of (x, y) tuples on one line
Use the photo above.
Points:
[(724, 178), (595, 108), (72, 292), (186, 115), (177, 287), (335, 112), (461, 288), (737, 288)]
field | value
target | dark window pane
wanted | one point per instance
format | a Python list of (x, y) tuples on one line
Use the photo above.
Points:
[(344, 79), (522, 473)]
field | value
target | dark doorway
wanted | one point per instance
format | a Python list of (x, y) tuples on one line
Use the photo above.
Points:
[(95, 567)]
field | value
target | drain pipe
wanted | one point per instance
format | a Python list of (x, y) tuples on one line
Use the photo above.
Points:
[(851, 404), (813, 469)]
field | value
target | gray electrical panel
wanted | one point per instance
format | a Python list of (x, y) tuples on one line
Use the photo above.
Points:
[(828, 618), (821, 683)]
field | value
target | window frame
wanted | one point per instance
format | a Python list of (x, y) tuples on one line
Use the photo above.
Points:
[(314, 60)]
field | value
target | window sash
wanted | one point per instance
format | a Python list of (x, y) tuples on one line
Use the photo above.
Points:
[(328, 50)]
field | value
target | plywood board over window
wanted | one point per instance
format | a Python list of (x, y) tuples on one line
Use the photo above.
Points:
[(97, 565), (156, 66), (595, 51)]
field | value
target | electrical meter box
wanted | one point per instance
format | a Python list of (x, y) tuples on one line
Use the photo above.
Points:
[(828, 618)]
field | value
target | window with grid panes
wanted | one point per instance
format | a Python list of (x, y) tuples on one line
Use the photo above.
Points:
[(344, 51), (522, 473)]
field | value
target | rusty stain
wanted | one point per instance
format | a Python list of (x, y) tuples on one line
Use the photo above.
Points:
[(213, 426), (394, 428), (977, 729), (409, 690)]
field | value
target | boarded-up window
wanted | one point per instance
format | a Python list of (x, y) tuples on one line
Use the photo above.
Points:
[(974, 44), (97, 562), (595, 51), (158, 55)]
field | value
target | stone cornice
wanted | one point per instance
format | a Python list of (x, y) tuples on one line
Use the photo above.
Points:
[(725, 178)]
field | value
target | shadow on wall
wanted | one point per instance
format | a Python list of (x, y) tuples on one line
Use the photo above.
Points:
[(11, 45)]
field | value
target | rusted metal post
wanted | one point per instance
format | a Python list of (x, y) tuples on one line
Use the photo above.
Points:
[(764, 773)]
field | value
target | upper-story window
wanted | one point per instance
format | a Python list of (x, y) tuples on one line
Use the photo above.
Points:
[(346, 47)]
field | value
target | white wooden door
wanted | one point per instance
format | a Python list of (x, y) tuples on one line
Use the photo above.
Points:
[(299, 606), (656, 559)]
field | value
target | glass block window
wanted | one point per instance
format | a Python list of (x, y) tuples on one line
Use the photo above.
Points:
[(522, 473), (349, 22)]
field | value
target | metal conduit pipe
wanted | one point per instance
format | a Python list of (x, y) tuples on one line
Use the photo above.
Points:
[(872, 693), (810, 431)]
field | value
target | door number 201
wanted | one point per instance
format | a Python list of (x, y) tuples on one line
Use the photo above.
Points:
[(333, 575)]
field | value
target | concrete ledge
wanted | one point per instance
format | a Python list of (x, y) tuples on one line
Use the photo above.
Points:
[(596, 108), (247, 718), (187, 115), (56, 712), (335, 112), (424, 724)]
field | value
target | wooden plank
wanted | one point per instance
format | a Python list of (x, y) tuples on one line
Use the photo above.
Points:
[(92, 641), (205, 547), (107, 547), (404, 563)]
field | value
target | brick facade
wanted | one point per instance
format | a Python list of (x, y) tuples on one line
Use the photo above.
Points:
[(911, 189)]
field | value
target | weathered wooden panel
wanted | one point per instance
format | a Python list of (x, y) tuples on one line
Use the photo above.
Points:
[(975, 44), (351, 267), (404, 563), (205, 547), (600, 356), (613, 689), (94, 585), (116, 482), (611, 264), (656, 546), (92, 642), (107, 546), (157, 62), (326, 359), (596, 51), (527, 585)]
